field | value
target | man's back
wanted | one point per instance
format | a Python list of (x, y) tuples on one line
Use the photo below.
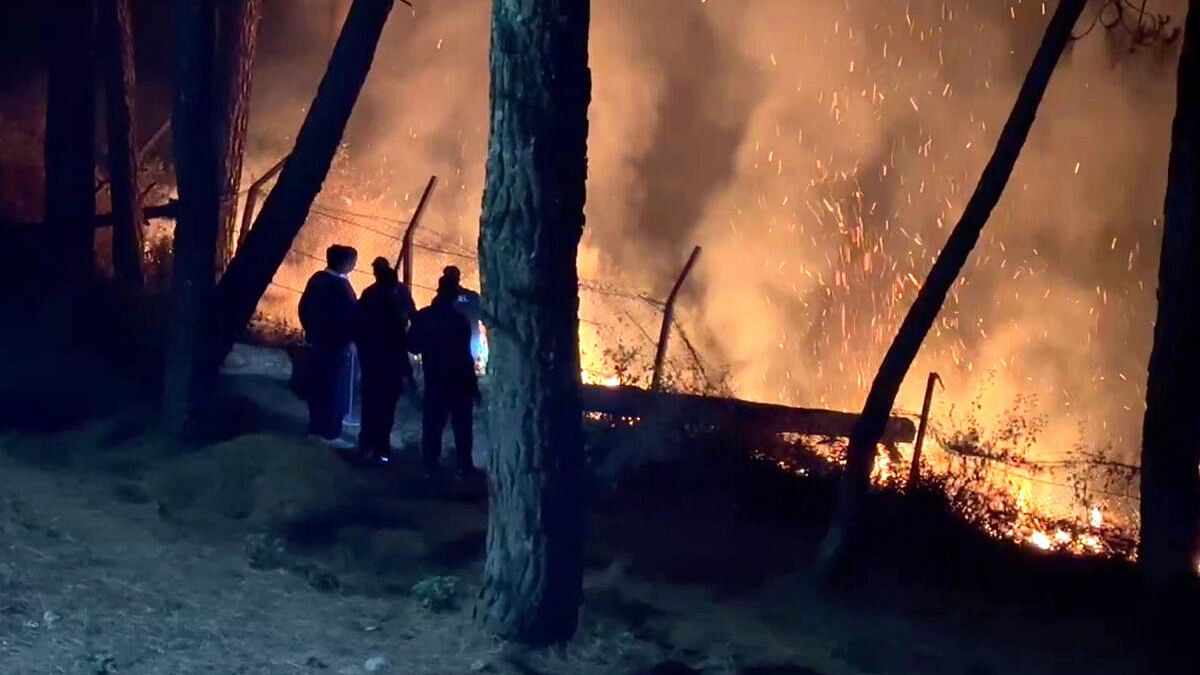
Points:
[(383, 315), (327, 309), (442, 336)]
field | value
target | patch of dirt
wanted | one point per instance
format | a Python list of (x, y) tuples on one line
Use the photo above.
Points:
[(265, 553)]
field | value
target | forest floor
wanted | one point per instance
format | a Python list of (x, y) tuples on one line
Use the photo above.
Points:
[(257, 551)]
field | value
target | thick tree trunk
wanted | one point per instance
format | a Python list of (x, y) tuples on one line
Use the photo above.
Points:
[(195, 142), (286, 208), (120, 90), (1170, 507), (878, 407), (236, 45), (531, 226), (70, 143)]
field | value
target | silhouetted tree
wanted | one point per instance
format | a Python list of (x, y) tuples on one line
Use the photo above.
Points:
[(1170, 483), (238, 27), (70, 156), (194, 128), (120, 88), (286, 208), (846, 523), (532, 222)]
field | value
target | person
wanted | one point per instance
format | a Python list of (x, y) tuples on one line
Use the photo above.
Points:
[(442, 336), (467, 303), (327, 309), (384, 311)]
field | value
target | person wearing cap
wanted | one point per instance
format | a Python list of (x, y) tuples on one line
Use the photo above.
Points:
[(442, 337), (384, 311), (466, 301), (327, 310)]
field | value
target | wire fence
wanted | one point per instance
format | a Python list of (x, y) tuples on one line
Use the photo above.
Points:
[(612, 308), (612, 316)]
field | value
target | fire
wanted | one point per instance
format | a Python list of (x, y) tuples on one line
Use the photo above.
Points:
[(591, 377), (1040, 540)]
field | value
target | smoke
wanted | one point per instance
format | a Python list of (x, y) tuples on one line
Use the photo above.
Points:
[(820, 151)]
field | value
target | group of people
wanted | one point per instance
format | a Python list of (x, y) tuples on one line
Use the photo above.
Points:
[(383, 327)]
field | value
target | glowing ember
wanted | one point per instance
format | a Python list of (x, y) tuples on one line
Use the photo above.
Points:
[(1040, 540)]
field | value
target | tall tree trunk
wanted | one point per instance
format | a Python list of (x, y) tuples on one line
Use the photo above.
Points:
[(532, 222), (1170, 507), (120, 91), (195, 141), (286, 208), (70, 157), (236, 44), (846, 523)]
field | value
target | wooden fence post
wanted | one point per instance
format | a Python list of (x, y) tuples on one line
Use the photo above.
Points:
[(664, 334), (914, 471), (252, 200), (405, 262)]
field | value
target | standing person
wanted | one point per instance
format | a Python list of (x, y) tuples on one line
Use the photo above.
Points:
[(442, 336), (384, 311), (327, 310), (467, 303)]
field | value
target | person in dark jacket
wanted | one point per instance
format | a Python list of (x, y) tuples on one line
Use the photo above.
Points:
[(442, 336), (384, 311), (467, 302), (327, 310)]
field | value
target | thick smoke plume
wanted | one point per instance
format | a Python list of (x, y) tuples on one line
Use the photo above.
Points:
[(820, 151)]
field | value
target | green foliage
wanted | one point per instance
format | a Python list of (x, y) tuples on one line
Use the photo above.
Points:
[(437, 593)]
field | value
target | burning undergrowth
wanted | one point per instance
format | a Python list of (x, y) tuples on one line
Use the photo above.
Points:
[(988, 471)]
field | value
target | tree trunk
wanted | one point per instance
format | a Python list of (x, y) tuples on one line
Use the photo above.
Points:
[(1170, 507), (286, 208), (122, 138), (532, 222), (70, 157), (846, 523), (195, 141), (236, 44)]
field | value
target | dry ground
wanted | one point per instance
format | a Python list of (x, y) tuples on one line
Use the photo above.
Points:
[(262, 553)]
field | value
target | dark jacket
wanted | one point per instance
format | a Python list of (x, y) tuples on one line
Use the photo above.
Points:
[(442, 336), (384, 311), (327, 310), (468, 305)]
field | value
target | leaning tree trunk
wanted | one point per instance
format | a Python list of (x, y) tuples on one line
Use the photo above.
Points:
[(286, 208), (531, 226), (120, 89), (855, 486), (236, 44), (70, 143), (1170, 507), (195, 140)]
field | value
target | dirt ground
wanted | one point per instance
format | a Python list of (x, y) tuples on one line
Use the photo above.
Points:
[(259, 552)]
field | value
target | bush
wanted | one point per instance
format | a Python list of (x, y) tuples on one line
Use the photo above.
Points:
[(437, 594)]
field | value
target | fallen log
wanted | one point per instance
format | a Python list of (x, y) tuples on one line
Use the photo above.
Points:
[(760, 417)]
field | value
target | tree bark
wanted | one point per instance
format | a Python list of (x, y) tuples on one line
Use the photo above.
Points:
[(237, 45), (855, 485), (70, 156), (1170, 484), (286, 208), (531, 226), (195, 142), (120, 91)]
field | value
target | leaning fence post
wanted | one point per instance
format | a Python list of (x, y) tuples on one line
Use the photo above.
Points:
[(405, 261), (914, 471), (252, 199), (668, 316)]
